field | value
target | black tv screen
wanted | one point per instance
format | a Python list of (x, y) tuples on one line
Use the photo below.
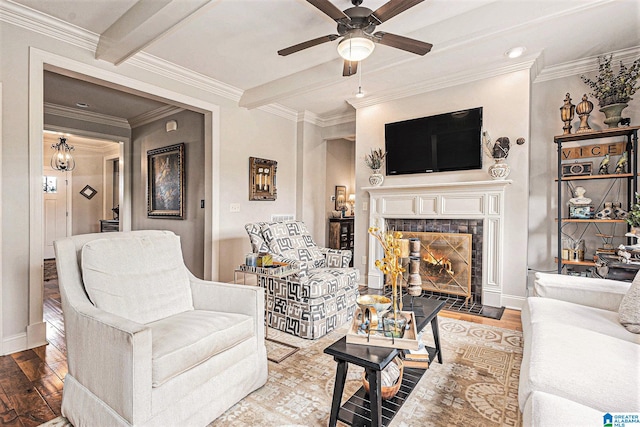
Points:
[(446, 142)]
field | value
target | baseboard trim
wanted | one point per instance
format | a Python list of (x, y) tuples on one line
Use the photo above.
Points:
[(512, 301), (14, 343)]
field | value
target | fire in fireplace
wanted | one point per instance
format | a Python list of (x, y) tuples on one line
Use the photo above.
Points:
[(445, 265)]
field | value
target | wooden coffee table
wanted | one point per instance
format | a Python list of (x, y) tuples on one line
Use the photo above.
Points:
[(361, 410)]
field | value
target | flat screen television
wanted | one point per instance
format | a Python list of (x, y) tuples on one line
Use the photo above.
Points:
[(445, 142)]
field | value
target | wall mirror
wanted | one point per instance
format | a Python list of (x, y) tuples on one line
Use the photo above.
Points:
[(262, 179)]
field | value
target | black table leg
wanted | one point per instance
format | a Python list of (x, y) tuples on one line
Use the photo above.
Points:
[(375, 379), (436, 337), (338, 388)]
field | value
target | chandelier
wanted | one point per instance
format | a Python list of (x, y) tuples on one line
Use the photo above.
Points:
[(62, 159)]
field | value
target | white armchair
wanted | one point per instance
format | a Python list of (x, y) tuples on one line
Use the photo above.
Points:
[(147, 342)]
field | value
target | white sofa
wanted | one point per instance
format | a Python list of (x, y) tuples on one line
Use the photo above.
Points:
[(149, 344), (579, 362)]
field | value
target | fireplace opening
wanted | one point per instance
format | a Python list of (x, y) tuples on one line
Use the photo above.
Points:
[(472, 271)]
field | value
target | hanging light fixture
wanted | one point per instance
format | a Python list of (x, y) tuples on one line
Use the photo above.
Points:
[(360, 93), (62, 159), (356, 47)]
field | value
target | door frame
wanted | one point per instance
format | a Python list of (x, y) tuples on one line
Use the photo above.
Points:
[(39, 61), (105, 160)]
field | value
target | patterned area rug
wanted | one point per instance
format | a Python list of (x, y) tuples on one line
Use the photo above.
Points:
[(476, 386)]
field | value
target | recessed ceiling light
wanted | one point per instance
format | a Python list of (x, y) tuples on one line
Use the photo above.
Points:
[(82, 105), (515, 52)]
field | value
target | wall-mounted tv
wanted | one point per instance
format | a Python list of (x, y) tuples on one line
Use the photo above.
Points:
[(445, 142)]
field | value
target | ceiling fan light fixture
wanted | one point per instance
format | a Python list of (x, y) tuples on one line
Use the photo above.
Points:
[(355, 48), (359, 93)]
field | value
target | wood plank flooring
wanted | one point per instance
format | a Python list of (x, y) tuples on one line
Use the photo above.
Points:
[(31, 380)]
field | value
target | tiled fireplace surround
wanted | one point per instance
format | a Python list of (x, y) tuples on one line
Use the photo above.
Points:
[(477, 207)]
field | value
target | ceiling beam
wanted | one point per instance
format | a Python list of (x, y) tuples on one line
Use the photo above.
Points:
[(145, 22)]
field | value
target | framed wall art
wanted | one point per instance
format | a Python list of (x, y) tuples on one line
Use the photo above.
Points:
[(262, 179), (341, 197), (88, 192), (165, 182)]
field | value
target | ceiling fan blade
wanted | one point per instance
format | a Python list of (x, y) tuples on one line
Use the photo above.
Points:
[(329, 9), (309, 43), (349, 68), (392, 8), (404, 43)]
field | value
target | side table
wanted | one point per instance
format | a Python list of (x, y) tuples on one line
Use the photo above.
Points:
[(265, 272), (359, 411)]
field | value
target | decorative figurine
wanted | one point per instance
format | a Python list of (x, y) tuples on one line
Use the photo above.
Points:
[(606, 212), (621, 166), (580, 206), (584, 109), (567, 113), (604, 166)]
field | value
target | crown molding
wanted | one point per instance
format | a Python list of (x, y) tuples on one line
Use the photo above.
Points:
[(281, 111), (154, 115), (450, 80), (86, 116), (584, 65), (32, 20)]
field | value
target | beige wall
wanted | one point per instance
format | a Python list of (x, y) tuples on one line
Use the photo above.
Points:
[(191, 227), (505, 102)]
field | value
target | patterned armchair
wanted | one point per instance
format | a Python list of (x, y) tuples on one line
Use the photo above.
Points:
[(317, 299)]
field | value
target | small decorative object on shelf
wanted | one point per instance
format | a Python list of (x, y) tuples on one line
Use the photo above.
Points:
[(613, 92), (374, 162), (577, 169), (580, 206), (583, 109), (567, 113), (621, 165), (604, 165)]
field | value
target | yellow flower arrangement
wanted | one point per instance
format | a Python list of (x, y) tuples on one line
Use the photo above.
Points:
[(390, 265)]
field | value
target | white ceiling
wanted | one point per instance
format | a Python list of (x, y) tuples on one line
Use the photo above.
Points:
[(235, 42)]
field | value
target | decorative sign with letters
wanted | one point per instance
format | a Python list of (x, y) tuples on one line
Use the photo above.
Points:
[(598, 150)]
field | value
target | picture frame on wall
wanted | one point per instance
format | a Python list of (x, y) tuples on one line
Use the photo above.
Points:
[(341, 197), (166, 182), (262, 179)]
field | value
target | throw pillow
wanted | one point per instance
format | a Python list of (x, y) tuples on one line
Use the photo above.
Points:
[(629, 310), (291, 239), (140, 278)]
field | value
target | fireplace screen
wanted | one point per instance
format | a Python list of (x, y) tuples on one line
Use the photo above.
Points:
[(445, 262)]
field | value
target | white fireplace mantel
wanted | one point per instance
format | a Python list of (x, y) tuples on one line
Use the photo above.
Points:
[(482, 200)]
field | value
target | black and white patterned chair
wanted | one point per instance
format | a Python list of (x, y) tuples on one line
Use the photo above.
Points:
[(321, 296)]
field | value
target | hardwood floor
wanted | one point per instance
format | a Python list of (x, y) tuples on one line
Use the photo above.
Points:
[(31, 380)]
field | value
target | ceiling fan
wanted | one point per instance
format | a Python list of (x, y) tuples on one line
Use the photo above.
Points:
[(356, 25)]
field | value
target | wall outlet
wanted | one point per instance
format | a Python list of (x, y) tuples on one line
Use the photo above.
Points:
[(234, 207), (365, 206), (364, 260)]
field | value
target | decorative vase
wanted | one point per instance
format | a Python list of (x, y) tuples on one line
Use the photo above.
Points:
[(613, 114), (376, 178), (566, 114), (584, 109), (499, 170)]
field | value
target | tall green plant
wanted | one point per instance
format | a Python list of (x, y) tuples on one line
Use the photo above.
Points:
[(609, 88)]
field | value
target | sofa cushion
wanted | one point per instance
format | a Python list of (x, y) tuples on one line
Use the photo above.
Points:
[(574, 363), (291, 239), (254, 230), (187, 339), (629, 310), (543, 409), (140, 278), (595, 319)]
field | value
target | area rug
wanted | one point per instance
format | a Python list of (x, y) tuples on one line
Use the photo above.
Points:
[(477, 385)]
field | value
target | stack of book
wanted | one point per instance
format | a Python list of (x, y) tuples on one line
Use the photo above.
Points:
[(417, 358)]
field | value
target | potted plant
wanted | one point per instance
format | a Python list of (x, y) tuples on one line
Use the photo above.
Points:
[(374, 160), (613, 91), (633, 217)]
